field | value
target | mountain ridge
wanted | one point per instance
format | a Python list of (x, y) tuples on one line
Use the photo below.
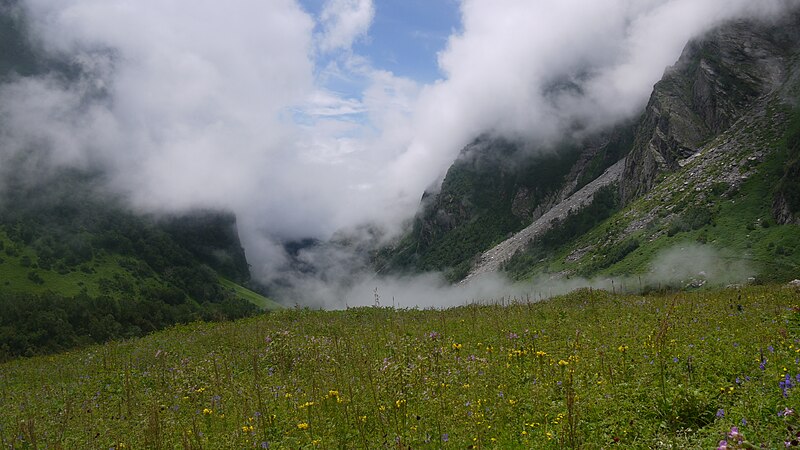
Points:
[(740, 69)]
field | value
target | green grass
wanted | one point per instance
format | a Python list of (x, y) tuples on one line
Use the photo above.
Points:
[(253, 297), (15, 274), (587, 370)]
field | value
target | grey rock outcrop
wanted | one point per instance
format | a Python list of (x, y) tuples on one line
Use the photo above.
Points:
[(716, 79)]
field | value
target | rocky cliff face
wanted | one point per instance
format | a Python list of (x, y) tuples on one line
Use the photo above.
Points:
[(716, 79)]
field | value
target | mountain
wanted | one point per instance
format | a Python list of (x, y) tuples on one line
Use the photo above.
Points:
[(77, 265), (493, 190), (712, 160)]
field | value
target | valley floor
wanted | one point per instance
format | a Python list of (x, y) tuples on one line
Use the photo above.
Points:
[(586, 370)]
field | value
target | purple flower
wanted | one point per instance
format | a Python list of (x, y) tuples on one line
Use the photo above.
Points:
[(744, 422), (675, 359), (723, 445), (265, 444), (763, 364), (785, 412), (433, 335), (771, 349), (445, 437), (513, 336), (734, 434), (785, 385), (720, 413)]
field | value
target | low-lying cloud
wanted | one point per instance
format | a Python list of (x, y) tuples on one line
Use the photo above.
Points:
[(683, 266), (191, 104)]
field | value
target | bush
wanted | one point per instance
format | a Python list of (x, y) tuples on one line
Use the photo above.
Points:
[(694, 218)]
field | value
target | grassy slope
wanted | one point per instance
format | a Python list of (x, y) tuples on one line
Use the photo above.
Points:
[(585, 370), (255, 298), (741, 227), (14, 276)]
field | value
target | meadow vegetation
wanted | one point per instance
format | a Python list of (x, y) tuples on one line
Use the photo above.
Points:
[(586, 370)]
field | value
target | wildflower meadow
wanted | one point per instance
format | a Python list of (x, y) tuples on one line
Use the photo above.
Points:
[(713, 369)]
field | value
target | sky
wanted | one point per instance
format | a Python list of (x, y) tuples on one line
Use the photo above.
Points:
[(310, 117)]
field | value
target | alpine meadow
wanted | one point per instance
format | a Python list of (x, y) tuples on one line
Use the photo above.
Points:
[(368, 224)]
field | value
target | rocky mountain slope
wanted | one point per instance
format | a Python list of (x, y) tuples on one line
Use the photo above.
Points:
[(720, 116), (495, 189), (715, 82), (494, 259)]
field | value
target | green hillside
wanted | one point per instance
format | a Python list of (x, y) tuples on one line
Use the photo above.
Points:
[(738, 222), (77, 267), (588, 370)]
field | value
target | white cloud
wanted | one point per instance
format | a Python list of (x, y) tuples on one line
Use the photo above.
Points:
[(344, 21), (503, 72), (231, 105)]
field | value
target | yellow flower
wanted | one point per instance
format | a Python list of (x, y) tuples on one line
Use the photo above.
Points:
[(332, 394), (622, 348), (302, 425), (456, 346), (363, 419), (207, 411), (399, 403), (247, 428), (562, 363)]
